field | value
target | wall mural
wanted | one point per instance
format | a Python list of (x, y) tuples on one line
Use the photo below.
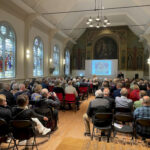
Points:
[(128, 50), (105, 48)]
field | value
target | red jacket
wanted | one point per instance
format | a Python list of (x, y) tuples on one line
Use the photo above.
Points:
[(134, 95)]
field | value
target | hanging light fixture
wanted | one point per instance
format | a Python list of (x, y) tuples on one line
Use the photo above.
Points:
[(100, 20)]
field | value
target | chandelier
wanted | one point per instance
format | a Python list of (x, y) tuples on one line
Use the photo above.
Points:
[(100, 20)]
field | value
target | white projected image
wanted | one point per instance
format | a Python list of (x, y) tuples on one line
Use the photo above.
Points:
[(101, 67)]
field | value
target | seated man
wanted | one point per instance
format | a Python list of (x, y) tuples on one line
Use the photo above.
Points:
[(50, 100), (22, 112), (71, 90), (5, 112), (139, 103), (98, 105), (117, 91), (143, 113), (8, 94), (123, 101)]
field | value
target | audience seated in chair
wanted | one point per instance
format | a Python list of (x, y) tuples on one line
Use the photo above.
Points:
[(139, 103), (50, 100), (99, 105), (8, 94), (37, 93), (22, 112), (5, 112), (143, 113), (71, 90), (123, 101)]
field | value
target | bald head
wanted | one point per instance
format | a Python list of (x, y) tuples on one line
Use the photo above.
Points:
[(124, 92), (44, 92), (146, 101)]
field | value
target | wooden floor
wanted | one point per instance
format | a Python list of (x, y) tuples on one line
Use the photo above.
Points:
[(70, 125)]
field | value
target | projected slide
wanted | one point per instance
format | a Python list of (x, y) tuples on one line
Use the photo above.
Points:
[(101, 67)]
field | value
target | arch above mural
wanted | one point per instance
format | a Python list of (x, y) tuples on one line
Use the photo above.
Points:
[(105, 48)]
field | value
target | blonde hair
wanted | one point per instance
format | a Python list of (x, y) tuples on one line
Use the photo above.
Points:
[(135, 86), (38, 88), (2, 98)]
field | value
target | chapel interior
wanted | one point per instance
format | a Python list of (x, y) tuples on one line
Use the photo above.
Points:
[(102, 43)]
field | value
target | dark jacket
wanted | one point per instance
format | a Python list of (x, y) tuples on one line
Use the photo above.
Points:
[(45, 103), (24, 114), (98, 105), (117, 93), (9, 97), (5, 113), (59, 90)]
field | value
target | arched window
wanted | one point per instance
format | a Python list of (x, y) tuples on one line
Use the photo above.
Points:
[(56, 60), (38, 57), (7, 51), (67, 65)]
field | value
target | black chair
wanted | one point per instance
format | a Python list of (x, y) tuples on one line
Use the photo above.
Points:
[(123, 110), (103, 122), (48, 112), (142, 123), (23, 130), (4, 131), (123, 124)]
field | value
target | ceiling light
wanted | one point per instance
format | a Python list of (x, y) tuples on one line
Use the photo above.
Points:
[(108, 23), (87, 22), (91, 25), (97, 26), (90, 19), (105, 19), (100, 20)]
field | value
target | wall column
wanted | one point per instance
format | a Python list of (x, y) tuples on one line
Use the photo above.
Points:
[(28, 23)]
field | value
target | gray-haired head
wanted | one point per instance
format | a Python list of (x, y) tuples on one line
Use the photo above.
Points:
[(99, 93)]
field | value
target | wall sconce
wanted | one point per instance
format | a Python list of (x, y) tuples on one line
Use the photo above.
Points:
[(64, 61), (50, 60), (28, 53), (148, 61)]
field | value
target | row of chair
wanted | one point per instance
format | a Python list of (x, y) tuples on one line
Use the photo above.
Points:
[(18, 130), (119, 122)]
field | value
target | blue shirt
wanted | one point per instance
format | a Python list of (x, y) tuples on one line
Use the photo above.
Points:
[(142, 113)]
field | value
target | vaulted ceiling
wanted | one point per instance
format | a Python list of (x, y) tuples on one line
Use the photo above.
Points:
[(136, 15)]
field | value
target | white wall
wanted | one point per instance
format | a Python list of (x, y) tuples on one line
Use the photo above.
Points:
[(18, 26)]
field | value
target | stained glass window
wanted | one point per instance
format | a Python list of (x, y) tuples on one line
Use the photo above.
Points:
[(7, 51), (37, 57), (67, 64), (56, 60)]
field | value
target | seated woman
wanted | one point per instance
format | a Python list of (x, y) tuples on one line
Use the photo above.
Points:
[(37, 93), (22, 112)]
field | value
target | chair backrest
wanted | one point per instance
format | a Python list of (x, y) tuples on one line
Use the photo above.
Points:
[(48, 112), (122, 109), (102, 119), (22, 129), (4, 128), (60, 96), (123, 117), (70, 98), (83, 89), (143, 122)]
